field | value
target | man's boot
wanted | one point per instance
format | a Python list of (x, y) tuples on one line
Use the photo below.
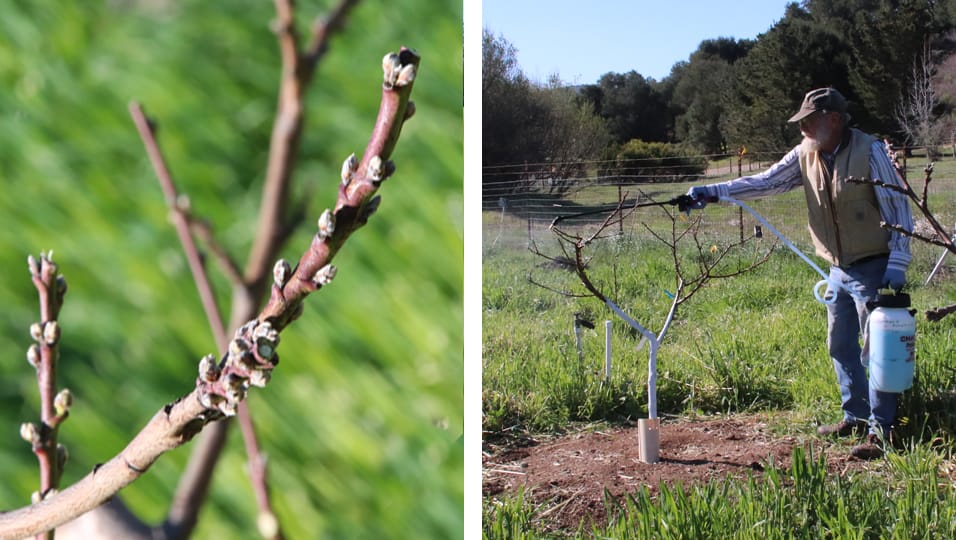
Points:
[(871, 449), (843, 428)]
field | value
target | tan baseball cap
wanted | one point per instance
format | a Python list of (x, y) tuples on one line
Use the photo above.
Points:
[(821, 99)]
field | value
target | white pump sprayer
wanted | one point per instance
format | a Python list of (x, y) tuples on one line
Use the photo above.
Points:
[(890, 344)]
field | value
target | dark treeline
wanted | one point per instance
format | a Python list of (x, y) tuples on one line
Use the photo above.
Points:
[(893, 59)]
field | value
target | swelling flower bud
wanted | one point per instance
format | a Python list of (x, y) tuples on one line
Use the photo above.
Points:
[(63, 401)]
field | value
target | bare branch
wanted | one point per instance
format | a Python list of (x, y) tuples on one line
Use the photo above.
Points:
[(566, 294), (179, 216), (185, 223), (943, 238), (230, 268), (913, 234), (708, 261), (250, 357), (283, 146), (904, 189), (322, 30), (276, 222), (915, 111), (297, 70)]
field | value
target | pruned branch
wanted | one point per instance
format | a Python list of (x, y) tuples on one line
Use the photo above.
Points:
[(251, 355), (943, 238)]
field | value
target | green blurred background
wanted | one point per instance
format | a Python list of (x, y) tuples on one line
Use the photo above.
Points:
[(362, 422)]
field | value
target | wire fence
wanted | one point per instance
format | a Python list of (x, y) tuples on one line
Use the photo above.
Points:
[(521, 201)]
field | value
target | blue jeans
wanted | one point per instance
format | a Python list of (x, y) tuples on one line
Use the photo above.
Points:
[(846, 320)]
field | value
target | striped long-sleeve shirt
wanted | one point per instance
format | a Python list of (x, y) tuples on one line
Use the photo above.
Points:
[(784, 176)]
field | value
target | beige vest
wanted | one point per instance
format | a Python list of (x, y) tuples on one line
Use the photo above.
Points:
[(844, 217)]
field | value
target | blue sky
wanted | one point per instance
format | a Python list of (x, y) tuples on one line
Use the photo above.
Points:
[(580, 41)]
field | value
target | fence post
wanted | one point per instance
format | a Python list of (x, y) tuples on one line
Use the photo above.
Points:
[(620, 204), (740, 211), (903, 172)]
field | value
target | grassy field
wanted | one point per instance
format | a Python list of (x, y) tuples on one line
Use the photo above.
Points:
[(750, 343)]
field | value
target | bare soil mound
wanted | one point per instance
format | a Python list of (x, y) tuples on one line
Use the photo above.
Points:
[(567, 476)]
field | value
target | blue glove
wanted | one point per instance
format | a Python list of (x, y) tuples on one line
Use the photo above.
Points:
[(700, 194), (894, 279)]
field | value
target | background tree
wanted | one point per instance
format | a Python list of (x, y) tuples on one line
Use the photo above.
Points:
[(641, 162), (884, 38), (792, 57), (354, 422), (632, 107), (509, 126), (547, 131), (571, 135), (700, 92), (918, 112), (740, 93)]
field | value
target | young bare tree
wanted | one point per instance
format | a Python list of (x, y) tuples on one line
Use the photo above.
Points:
[(691, 272)]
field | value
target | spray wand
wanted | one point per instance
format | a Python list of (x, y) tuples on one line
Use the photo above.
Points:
[(816, 288)]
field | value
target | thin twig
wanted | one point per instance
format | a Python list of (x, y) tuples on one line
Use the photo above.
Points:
[(566, 294), (43, 355), (203, 230), (268, 524), (283, 146), (207, 296), (322, 31)]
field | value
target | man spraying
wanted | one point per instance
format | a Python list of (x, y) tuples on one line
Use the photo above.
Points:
[(844, 222)]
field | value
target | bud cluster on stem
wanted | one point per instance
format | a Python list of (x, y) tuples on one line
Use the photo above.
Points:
[(43, 356), (248, 362)]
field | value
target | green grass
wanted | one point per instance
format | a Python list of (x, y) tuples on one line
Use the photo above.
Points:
[(772, 356), (903, 497), (755, 342)]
